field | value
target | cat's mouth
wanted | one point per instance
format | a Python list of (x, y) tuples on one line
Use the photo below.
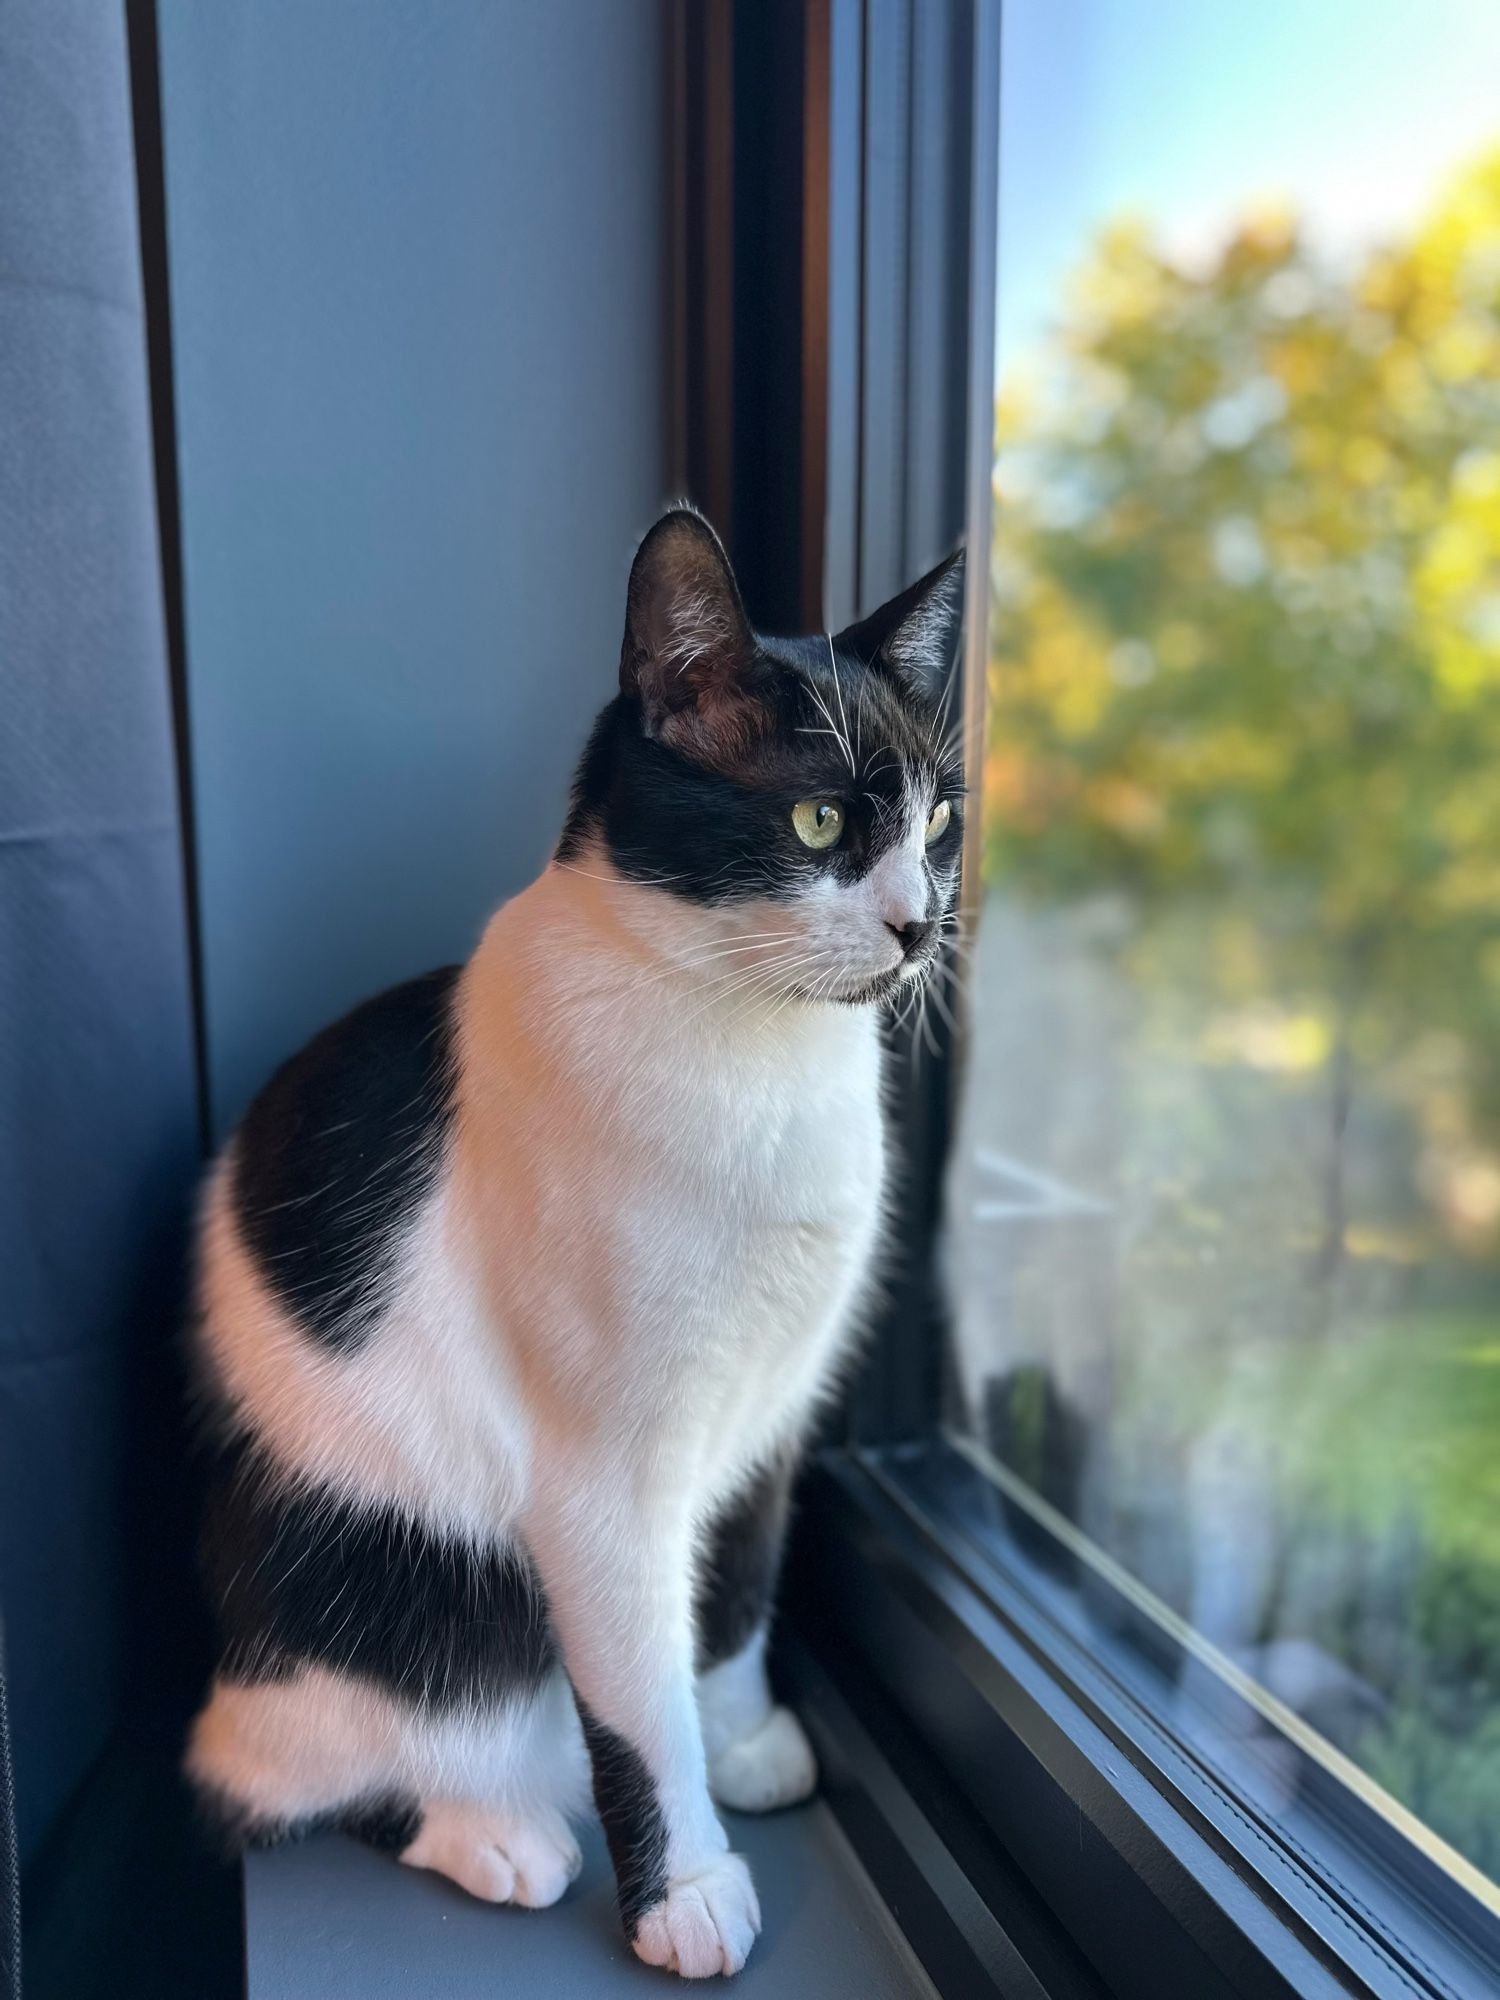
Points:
[(900, 979)]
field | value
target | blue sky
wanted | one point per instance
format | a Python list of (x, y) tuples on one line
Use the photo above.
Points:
[(1190, 111)]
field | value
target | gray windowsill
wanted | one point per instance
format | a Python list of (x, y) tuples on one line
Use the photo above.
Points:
[(330, 1920)]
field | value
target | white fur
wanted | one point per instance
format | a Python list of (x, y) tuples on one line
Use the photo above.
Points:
[(630, 1286), (285, 1749), (758, 1756), (920, 641), (500, 1856)]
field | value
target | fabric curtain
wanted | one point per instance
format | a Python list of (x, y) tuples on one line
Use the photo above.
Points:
[(97, 1107)]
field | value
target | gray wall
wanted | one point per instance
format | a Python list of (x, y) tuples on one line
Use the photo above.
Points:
[(416, 271), (97, 1106)]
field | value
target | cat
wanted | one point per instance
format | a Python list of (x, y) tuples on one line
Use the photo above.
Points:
[(521, 1286)]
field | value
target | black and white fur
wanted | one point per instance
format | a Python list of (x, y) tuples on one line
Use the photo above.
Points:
[(520, 1287)]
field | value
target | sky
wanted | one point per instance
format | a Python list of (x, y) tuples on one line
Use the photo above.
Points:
[(1190, 111)]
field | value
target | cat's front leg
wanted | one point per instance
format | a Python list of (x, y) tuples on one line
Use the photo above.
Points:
[(615, 1552)]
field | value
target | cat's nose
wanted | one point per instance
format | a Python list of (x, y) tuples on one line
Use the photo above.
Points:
[(913, 938)]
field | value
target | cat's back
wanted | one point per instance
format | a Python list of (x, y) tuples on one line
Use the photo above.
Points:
[(338, 1152)]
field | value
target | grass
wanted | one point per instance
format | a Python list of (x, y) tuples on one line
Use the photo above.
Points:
[(1402, 1422)]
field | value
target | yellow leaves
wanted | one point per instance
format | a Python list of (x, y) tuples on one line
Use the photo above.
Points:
[(1457, 254), (1025, 792), (1015, 409), (1180, 645), (1126, 806), (1231, 758), (1404, 383), (1476, 483), (1316, 446), (1298, 364), (1384, 285), (1464, 348), (1125, 283), (1454, 560), (1063, 669), (1455, 583), (1248, 577), (1366, 461), (1266, 1037), (1470, 886)]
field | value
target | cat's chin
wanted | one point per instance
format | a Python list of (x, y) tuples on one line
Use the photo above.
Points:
[(885, 987)]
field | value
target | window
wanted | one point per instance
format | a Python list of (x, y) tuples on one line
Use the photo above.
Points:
[(1225, 1214), (1188, 1539)]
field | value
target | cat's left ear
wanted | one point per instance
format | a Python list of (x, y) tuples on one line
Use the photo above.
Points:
[(913, 636), (689, 655)]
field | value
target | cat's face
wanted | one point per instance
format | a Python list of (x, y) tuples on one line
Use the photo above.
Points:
[(797, 801)]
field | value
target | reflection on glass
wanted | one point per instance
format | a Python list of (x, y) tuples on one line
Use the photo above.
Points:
[(1225, 1227)]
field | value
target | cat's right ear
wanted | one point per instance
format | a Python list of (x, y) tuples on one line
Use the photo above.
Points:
[(689, 655)]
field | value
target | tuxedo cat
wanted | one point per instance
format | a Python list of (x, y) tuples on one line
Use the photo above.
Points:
[(520, 1286)]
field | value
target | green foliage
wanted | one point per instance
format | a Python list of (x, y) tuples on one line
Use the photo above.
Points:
[(1454, 1789), (1438, 1748), (1245, 698), (1246, 642)]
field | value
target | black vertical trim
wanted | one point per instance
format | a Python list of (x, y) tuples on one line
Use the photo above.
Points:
[(748, 137), (702, 250), (151, 198), (859, 606), (839, 568), (10, 1862), (770, 499), (817, 108)]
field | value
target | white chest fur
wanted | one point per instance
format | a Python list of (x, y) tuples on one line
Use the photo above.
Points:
[(697, 1184), (657, 1220)]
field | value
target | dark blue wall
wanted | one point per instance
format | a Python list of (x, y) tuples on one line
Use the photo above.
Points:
[(416, 269)]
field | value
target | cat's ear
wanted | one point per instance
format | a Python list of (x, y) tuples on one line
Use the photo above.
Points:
[(912, 637), (689, 654)]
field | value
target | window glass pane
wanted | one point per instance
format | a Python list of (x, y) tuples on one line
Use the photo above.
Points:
[(1224, 1221)]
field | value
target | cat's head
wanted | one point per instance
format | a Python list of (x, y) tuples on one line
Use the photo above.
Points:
[(803, 796)]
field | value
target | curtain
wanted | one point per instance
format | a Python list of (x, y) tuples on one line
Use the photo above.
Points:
[(97, 1105)]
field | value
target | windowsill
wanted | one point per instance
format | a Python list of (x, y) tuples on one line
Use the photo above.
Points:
[(1014, 1740), (331, 1920)]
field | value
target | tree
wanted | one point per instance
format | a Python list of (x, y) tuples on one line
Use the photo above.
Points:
[(1246, 629)]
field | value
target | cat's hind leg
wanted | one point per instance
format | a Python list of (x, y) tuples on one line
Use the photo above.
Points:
[(482, 1795), (499, 1790), (273, 1758), (758, 1754)]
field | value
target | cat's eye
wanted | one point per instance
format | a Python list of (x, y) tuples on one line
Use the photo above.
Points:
[(819, 822), (937, 823)]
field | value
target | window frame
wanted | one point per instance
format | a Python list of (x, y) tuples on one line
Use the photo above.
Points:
[(1160, 1874), (1034, 1828)]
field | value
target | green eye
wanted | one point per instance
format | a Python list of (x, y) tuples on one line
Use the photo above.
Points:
[(937, 824), (819, 822)]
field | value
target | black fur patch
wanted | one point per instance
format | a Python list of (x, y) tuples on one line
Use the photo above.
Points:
[(339, 1148), (718, 837), (389, 1822), (298, 1575), (634, 1824), (738, 1580), (691, 774)]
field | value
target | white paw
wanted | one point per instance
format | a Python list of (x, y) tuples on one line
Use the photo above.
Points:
[(706, 1923), (497, 1856), (774, 1766)]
